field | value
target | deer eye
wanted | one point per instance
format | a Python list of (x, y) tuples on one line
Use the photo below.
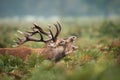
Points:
[(62, 42)]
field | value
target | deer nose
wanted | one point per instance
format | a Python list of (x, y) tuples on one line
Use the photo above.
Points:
[(75, 47)]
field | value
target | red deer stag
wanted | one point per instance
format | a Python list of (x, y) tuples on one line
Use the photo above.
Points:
[(54, 48)]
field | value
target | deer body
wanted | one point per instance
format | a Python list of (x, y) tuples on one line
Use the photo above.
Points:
[(17, 52), (24, 52), (54, 49)]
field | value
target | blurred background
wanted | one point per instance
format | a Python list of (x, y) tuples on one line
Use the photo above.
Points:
[(96, 23), (54, 9), (82, 18)]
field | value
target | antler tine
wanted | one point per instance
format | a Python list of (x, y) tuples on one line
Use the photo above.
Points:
[(58, 28), (32, 32), (21, 41), (40, 29), (52, 36), (29, 35), (29, 38)]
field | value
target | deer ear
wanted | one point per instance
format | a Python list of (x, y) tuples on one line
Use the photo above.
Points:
[(71, 39), (62, 42)]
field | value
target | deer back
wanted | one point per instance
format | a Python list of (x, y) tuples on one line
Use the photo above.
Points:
[(17, 52)]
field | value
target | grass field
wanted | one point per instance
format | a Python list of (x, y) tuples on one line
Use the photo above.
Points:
[(96, 58)]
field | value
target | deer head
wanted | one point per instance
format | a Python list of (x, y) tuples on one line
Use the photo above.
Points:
[(55, 48)]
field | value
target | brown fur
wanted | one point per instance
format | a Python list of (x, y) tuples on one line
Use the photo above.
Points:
[(54, 48), (17, 52), (62, 48)]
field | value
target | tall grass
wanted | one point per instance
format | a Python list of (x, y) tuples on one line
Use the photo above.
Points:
[(92, 61)]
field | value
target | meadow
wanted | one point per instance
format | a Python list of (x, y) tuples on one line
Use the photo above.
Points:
[(97, 57)]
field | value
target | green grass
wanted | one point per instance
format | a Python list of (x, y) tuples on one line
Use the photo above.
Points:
[(92, 61)]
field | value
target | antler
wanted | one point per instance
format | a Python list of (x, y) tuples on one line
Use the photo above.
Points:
[(28, 36), (58, 28)]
